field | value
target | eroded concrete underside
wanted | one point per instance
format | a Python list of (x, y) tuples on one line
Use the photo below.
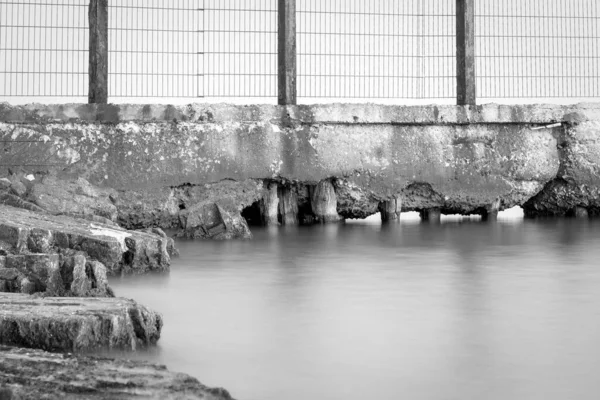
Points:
[(198, 167)]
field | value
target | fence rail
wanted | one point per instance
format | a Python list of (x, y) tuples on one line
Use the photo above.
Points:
[(362, 49)]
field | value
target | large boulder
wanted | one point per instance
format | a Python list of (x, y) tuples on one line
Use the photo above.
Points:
[(121, 251), (36, 374)]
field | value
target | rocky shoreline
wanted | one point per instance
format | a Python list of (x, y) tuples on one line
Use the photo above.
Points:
[(27, 374), (59, 241), (86, 192)]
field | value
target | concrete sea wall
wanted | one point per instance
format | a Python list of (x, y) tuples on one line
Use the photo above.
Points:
[(457, 159)]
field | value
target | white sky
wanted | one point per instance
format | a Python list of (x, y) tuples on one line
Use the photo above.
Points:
[(383, 51)]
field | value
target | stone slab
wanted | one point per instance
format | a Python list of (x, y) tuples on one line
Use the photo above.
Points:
[(36, 374), (75, 324), (121, 251)]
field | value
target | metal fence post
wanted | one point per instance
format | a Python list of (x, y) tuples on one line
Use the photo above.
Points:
[(465, 52), (286, 70), (98, 67)]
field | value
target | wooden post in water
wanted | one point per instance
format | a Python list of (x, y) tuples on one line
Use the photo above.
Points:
[(286, 70), (98, 67), (465, 52)]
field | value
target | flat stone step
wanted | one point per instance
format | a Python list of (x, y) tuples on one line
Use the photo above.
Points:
[(76, 324), (36, 374), (120, 250)]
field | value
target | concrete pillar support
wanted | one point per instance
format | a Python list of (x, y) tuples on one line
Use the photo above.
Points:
[(269, 205), (390, 209), (580, 212), (431, 215), (491, 211), (288, 205), (324, 203)]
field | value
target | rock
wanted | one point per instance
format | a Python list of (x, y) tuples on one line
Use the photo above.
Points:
[(9, 279), (145, 209), (171, 249), (5, 184), (15, 201), (213, 211), (8, 274), (54, 275), (42, 271), (119, 250), (210, 221), (36, 374), (76, 324), (354, 201), (99, 279), (27, 286), (92, 218), (228, 194), (75, 267), (420, 196), (18, 188), (72, 197)]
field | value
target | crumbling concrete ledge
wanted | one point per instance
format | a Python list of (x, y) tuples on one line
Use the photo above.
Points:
[(449, 159), (35, 374), (74, 324)]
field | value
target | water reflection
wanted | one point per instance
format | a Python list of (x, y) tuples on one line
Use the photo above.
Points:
[(460, 310)]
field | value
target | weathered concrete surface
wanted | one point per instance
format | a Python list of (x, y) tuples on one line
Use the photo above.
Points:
[(390, 210), (76, 323), (148, 207), (466, 157), (324, 202), (76, 197), (36, 374), (121, 251), (577, 184)]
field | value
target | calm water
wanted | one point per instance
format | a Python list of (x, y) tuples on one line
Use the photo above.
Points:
[(463, 310)]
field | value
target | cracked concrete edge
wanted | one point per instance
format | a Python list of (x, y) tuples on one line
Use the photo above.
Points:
[(302, 114)]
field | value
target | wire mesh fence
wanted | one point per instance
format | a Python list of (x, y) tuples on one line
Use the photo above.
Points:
[(537, 48), (44, 48), (155, 48), (376, 49), (240, 48), (363, 49)]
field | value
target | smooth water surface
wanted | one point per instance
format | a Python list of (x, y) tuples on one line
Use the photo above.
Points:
[(463, 310)]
